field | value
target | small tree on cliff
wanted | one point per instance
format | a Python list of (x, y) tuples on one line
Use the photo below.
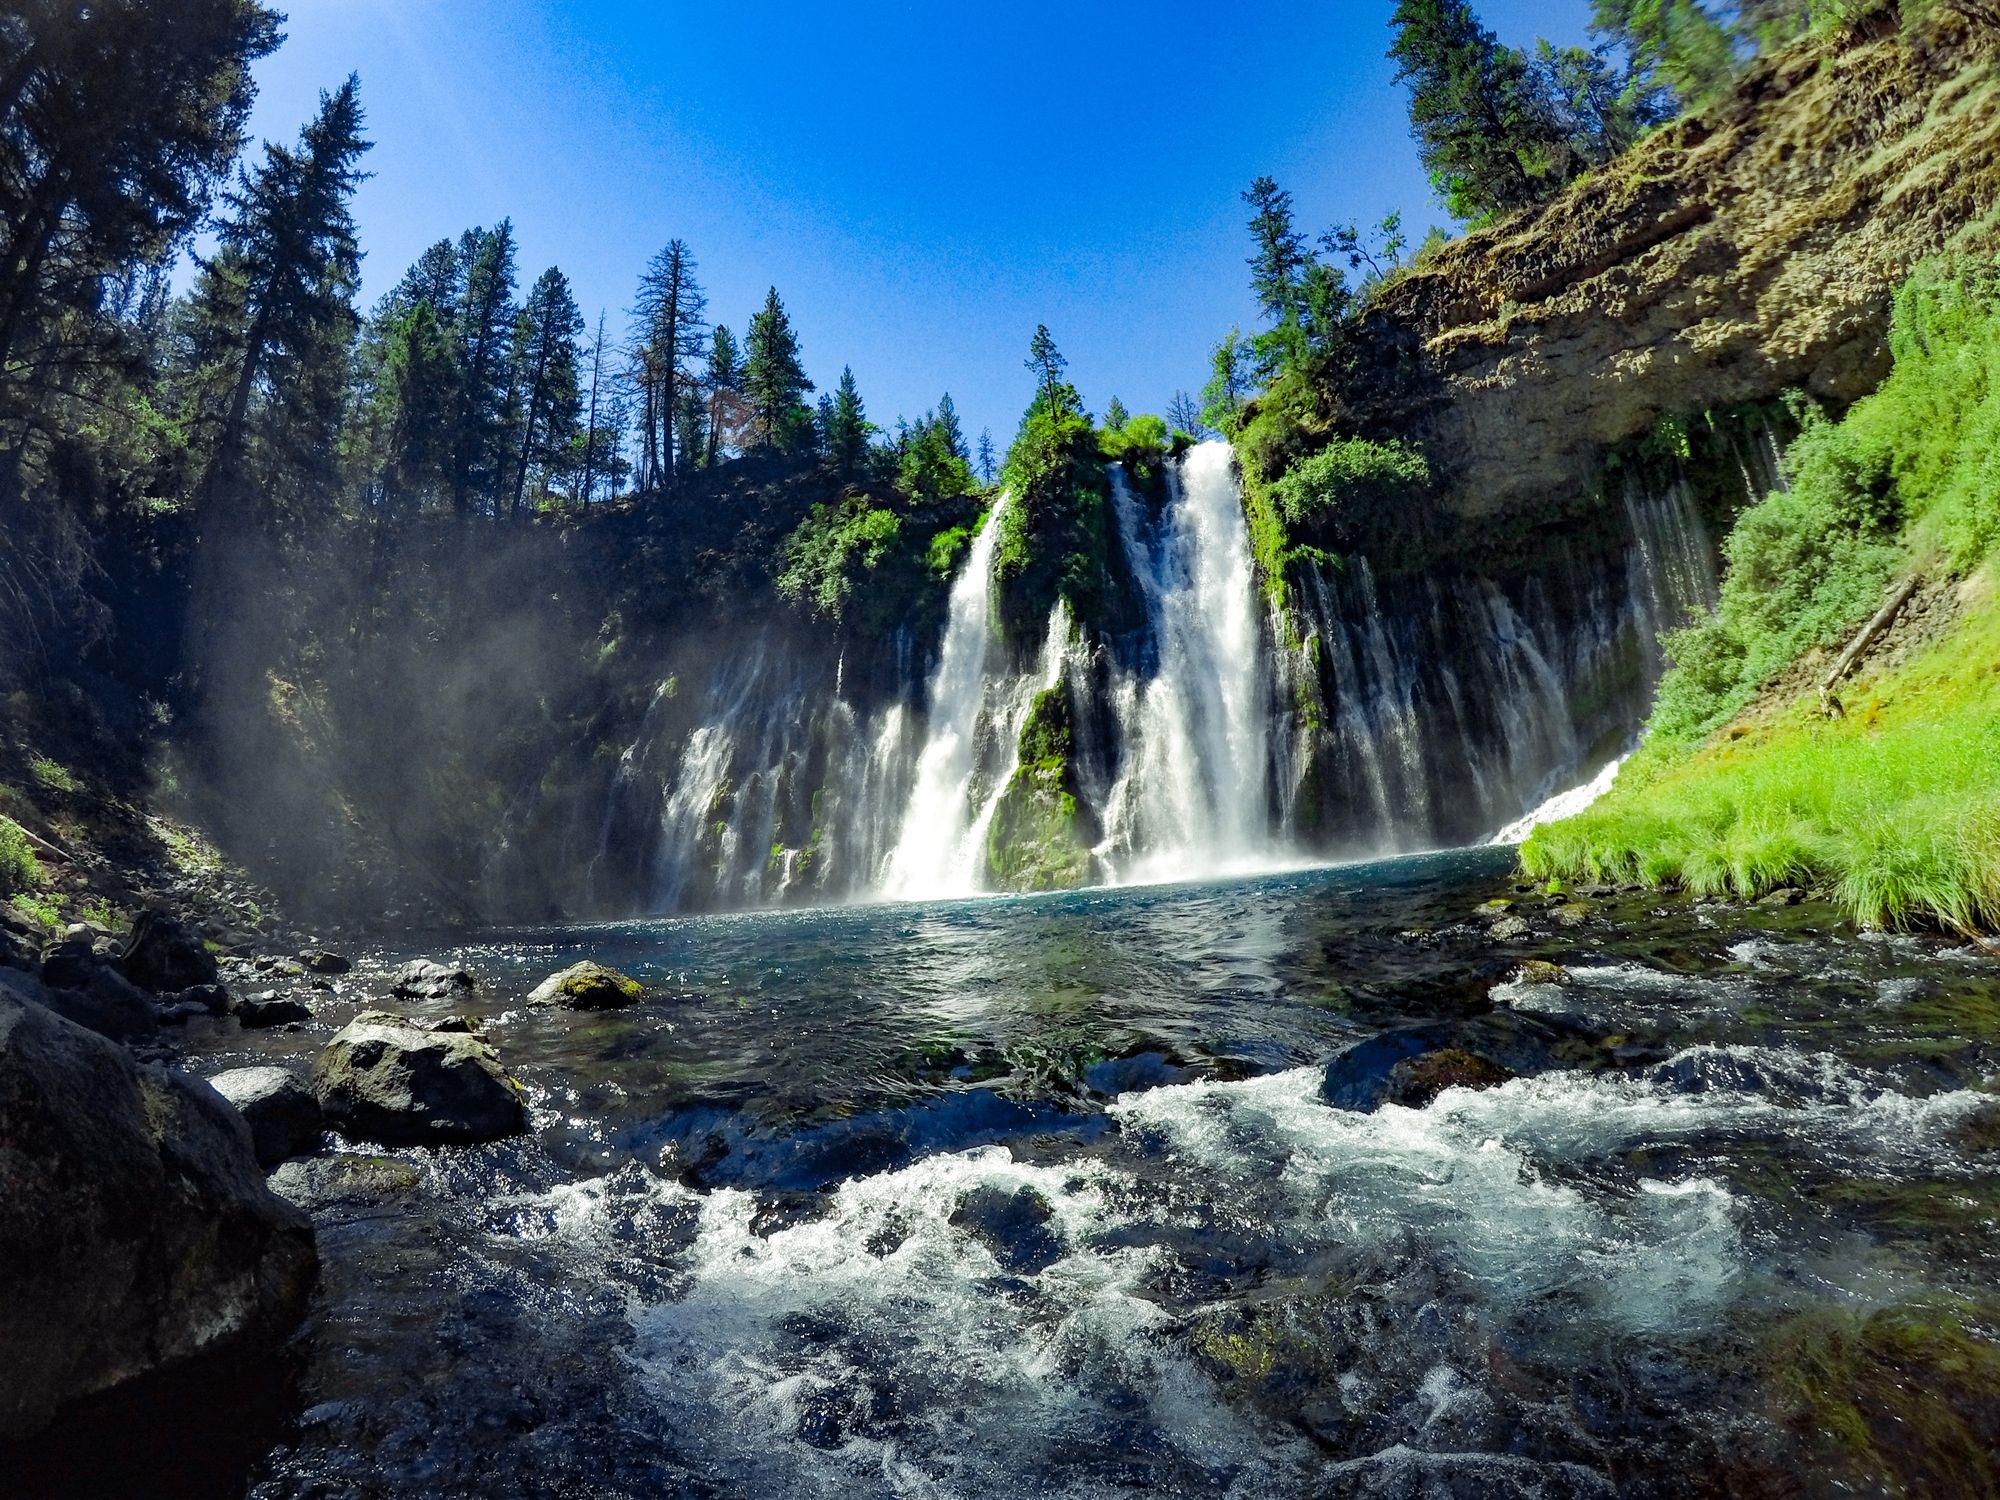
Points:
[(1048, 364), (774, 378)]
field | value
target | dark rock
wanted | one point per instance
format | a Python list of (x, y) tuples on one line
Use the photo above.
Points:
[(588, 986), (1510, 929), (382, 1079), (282, 1113), (421, 979), (211, 998), (135, 1227), (255, 1012), (1784, 896), (1014, 1224), (1487, 1050), (166, 956), (319, 961), (79, 986), (1415, 1082)]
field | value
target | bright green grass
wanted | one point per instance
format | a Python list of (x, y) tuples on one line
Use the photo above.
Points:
[(19, 869), (1893, 810)]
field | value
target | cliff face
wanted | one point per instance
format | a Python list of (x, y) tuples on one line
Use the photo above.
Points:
[(1727, 259)]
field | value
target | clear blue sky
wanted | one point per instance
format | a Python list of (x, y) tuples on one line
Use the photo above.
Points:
[(923, 183)]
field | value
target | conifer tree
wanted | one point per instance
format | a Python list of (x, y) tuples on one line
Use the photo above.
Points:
[(116, 120), (670, 330), (484, 334), (1048, 364), (414, 396), (1229, 383), (846, 425), (273, 309), (1277, 270), (774, 379), (989, 460), (1480, 127), (1115, 415), (723, 384), (950, 433), (545, 357)]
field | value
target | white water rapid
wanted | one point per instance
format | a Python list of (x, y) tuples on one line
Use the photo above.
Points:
[(1193, 799)]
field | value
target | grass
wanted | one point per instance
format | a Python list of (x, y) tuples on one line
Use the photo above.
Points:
[(1893, 810), (19, 869)]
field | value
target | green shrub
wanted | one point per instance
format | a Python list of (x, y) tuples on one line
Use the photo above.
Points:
[(19, 869), (1056, 534), (869, 565)]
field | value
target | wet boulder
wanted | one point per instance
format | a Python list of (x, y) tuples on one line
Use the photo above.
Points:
[(382, 1079), (1412, 1065), (135, 1226), (282, 1113), (258, 1012), (1016, 1224), (165, 955), (319, 961), (588, 986), (208, 999), (422, 979)]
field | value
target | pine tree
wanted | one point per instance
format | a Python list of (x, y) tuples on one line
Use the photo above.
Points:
[(1479, 125), (723, 383), (1277, 270), (1600, 108), (669, 331), (1681, 45), (1229, 383), (545, 357), (273, 309), (484, 333), (989, 461), (845, 426), (414, 397), (949, 431), (116, 120), (1115, 415), (1048, 364), (774, 379)]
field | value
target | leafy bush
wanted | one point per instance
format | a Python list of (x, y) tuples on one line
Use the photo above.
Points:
[(19, 869), (1352, 491), (1055, 536), (1143, 445), (870, 566)]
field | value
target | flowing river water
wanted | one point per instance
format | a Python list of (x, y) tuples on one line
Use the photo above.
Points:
[(1041, 1197)]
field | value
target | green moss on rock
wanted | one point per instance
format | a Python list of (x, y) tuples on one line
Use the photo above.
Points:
[(1041, 835)]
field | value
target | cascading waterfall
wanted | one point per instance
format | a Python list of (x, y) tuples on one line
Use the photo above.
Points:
[(1193, 798), (1371, 714)]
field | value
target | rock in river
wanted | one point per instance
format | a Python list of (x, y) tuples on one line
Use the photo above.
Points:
[(588, 986), (382, 1079), (166, 955), (283, 1114), (135, 1227), (421, 979)]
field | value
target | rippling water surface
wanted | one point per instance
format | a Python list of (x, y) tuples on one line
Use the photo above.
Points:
[(1040, 1197)]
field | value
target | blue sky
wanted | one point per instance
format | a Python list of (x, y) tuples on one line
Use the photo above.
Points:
[(923, 183)]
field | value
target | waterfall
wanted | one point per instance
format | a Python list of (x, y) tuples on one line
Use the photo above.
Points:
[(1193, 797)]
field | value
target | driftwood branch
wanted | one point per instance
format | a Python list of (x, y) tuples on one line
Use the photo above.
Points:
[(1860, 645)]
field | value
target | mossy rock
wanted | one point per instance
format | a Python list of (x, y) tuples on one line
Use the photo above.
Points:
[(1042, 834), (588, 986)]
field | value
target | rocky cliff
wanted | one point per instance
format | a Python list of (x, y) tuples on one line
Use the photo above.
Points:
[(1733, 256)]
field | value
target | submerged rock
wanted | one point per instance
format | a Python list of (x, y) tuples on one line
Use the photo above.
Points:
[(422, 979), (588, 986), (282, 1113), (1014, 1224), (1412, 1065), (382, 1079), (135, 1227), (166, 955)]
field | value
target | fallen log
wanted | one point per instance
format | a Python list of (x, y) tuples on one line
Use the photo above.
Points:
[(1861, 644)]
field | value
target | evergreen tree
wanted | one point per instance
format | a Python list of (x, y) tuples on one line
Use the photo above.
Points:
[(1478, 121), (1048, 364), (723, 383), (845, 427), (414, 398), (989, 460), (1681, 46), (670, 329), (1277, 270), (774, 379), (949, 430), (691, 428), (1115, 415), (484, 335), (116, 119), (273, 310), (928, 466), (1229, 383), (1600, 108), (545, 357)]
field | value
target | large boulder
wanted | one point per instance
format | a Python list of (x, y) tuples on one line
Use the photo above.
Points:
[(282, 1113), (81, 987), (1412, 1065), (167, 955), (423, 979), (382, 1079), (136, 1231), (588, 986)]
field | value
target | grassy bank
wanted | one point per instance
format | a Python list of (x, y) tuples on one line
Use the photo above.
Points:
[(1891, 807)]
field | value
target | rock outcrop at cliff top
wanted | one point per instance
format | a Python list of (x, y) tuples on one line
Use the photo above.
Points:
[(1726, 259), (136, 1232)]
